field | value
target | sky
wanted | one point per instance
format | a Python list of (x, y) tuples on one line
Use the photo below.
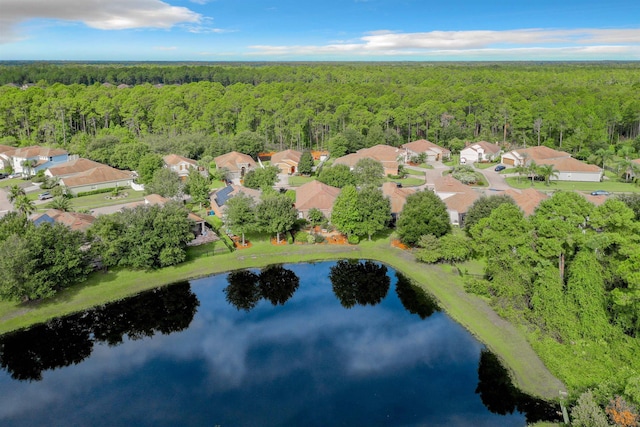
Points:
[(327, 30)]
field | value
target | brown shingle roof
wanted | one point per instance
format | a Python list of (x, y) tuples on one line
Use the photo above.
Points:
[(397, 196), (287, 156), (73, 166), (35, 151), (456, 195), (540, 153), (528, 199), (423, 145), (569, 164), (97, 175), (73, 220), (317, 195), (230, 161), (385, 154), (174, 159), (487, 147)]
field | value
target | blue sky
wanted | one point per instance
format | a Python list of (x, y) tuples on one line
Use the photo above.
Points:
[(338, 30)]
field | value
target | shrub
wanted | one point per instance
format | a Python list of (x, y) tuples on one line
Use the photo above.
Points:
[(98, 191), (319, 238), (353, 239), (301, 237), (311, 239)]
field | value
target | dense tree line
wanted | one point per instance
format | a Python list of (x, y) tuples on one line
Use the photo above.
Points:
[(576, 107)]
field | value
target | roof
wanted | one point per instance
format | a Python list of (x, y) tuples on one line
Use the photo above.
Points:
[(422, 145), (569, 164), (174, 159), (596, 200), (155, 199), (232, 160), (528, 200), (456, 195), (222, 195), (385, 154), (96, 175), (487, 147), (317, 195), (35, 151), (286, 156), (73, 220), (6, 148), (73, 166), (397, 196), (539, 153)]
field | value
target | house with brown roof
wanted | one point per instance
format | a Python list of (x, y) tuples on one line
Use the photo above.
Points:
[(569, 169), (198, 228), (71, 167), (481, 151), (316, 195), (397, 196), (73, 220), (433, 151), (179, 164), (29, 160), (390, 157), (527, 200), (457, 196), (219, 197), (236, 164), (97, 178), (287, 161)]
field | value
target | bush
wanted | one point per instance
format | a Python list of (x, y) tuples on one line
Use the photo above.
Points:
[(353, 239), (290, 239), (318, 238), (301, 237), (98, 191), (311, 239)]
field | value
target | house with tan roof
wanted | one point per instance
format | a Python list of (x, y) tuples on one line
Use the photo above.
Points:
[(457, 196), (316, 195), (390, 157), (219, 197), (74, 220), (71, 167), (481, 151), (29, 160), (180, 164), (433, 151), (97, 178), (527, 200), (397, 196), (236, 164), (569, 169), (287, 161)]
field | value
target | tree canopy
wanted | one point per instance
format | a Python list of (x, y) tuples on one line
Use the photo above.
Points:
[(423, 213)]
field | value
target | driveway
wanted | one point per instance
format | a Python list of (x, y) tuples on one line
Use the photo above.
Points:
[(494, 179), (5, 205)]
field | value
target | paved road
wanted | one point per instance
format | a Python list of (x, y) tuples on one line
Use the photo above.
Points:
[(5, 205)]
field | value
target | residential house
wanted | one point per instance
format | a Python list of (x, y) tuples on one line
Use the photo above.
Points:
[(71, 167), (180, 165), (73, 220), (397, 196), (29, 160), (457, 196), (481, 151), (4, 161), (390, 157), (433, 151), (97, 178), (569, 169), (220, 196), (528, 199), (316, 195), (287, 161), (198, 229), (236, 164)]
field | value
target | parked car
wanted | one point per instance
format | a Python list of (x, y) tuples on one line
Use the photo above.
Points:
[(44, 196), (500, 168), (3, 175), (600, 193)]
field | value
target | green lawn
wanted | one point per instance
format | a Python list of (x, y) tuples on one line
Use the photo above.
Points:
[(611, 186), (410, 181), (216, 184), (502, 338), (485, 165), (298, 180), (6, 183), (98, 200), (415, 172)]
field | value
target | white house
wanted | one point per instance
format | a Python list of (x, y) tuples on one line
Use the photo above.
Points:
[(29, 160), (481, 151)]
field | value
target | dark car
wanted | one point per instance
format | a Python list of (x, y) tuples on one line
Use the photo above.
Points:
[(500, 168), (44, 196), (3, 175), (600, 193)]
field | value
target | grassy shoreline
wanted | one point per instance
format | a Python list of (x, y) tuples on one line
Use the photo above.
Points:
[(504, 339)]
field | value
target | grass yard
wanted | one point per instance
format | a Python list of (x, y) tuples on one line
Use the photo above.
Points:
[(410, 181), (610, 186), (298, 180), (6, 183), (485, 165), (98, 200), (415, 172), (501, 337)]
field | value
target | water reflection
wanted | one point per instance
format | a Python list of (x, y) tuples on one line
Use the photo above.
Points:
[(414, 299), (500, 396), (274, 283), (363, 283), (66, 341)]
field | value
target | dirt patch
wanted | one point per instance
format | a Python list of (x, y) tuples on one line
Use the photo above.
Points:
[(237, 243), (274, 241), (337, 239), (396, 243)]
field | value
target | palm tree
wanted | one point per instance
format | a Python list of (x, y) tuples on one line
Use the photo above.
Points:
[(604, 154), (60, 203), (547, 172), (14, 192), (532, 170), (24, 205), (28, 165)]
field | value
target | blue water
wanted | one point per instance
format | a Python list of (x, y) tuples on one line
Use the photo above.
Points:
[(307, 362)]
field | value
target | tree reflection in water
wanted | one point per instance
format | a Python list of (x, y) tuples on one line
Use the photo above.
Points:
[(274, 283), (69, 340), (360, 283), (500, 396), (414, 299)]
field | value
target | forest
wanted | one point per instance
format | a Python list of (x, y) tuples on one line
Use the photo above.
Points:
[(202, 110)]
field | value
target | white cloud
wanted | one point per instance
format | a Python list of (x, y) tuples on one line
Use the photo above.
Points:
[(102, 15), (551, 42)]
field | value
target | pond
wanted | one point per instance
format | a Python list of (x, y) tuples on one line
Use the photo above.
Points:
[(333, 343)]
